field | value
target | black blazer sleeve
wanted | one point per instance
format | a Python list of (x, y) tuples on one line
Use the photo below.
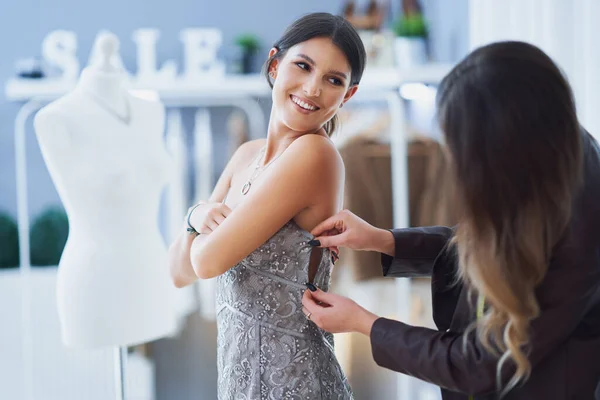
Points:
[(416, 251), (458, 362)]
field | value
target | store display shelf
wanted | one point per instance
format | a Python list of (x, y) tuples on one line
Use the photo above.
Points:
[(253, 85)]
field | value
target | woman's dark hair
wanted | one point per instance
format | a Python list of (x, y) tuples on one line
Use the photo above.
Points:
[(317, 25), (514, 140)]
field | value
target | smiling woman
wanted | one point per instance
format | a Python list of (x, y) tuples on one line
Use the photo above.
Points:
[(325, 62), (253, 233), (312, 80)]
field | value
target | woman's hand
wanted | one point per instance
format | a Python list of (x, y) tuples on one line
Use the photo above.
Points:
[(208, 216), (348, 230), (336, 314)]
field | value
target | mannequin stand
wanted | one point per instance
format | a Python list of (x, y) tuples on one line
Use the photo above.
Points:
[(120, 357)]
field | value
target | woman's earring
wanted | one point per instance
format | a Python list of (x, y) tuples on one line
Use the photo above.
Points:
[(272, 75), (341, 105)]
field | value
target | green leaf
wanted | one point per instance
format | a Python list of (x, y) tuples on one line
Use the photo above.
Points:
[(411, 25), (248, 42)]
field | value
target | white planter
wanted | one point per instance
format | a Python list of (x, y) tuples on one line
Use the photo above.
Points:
[(410, 52)]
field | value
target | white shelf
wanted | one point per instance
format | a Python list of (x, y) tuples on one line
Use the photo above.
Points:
[(385, 78), (230, 86)]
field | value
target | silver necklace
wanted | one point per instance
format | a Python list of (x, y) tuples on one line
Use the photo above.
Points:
[(257, 171), (126, 119)]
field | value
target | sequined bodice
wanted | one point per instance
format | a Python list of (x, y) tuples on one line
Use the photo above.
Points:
[(267, 349)]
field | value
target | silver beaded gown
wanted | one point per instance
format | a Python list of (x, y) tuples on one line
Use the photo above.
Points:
[(267, 349)]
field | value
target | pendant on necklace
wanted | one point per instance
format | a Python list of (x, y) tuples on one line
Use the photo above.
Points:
[(246, 188)]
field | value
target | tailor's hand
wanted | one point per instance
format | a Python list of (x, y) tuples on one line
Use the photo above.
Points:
[(335, 251), (206, 217), (348, 230), (336, 314)]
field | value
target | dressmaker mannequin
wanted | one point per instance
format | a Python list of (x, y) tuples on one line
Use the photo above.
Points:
[(105, 153)]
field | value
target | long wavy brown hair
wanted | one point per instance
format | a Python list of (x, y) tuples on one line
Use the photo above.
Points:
[(514, 144)]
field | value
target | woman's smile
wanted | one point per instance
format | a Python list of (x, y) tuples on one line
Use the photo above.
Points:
[(303, 105)]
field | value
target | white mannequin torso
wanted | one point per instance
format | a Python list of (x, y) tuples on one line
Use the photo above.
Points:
[(105, 153)]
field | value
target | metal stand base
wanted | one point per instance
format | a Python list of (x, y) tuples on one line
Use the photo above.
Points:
[(120, 357)]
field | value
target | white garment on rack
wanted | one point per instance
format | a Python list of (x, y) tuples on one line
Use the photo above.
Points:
[(177, 192), (206, 288)]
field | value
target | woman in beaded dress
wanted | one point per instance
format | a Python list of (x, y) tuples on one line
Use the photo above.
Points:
[(253, 233)]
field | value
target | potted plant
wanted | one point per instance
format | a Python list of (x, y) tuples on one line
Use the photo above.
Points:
[(9, 242), (410, 44), (249, 46), (48, 236)]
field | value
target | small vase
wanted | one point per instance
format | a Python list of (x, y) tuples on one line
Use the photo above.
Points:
[(247, 62), (410, 52)]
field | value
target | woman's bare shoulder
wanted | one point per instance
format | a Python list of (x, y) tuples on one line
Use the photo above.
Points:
[(247, 152), (318, 154), (323, 184)]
